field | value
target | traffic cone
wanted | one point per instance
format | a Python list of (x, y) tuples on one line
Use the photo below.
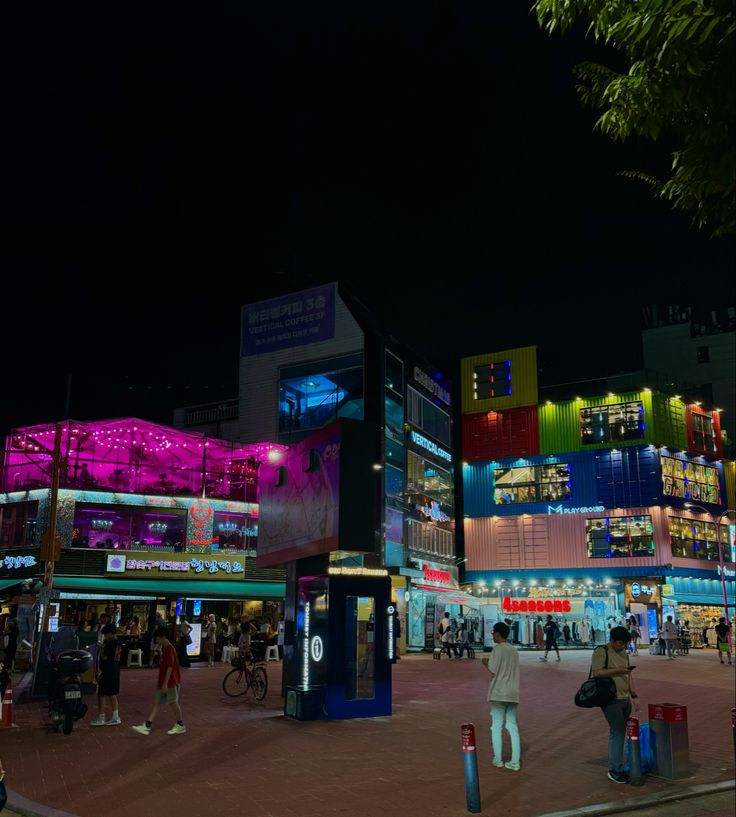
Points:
[(6, 708)]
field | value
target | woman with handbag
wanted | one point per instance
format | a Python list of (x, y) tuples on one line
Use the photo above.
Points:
[(185, 639), (612, 661)]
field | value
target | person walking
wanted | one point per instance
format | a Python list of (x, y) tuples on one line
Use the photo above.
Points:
[(461, 641), (211, 639), (669, 633), (185, 639), (612, 661), (167, 690), (445, 632), (503, 694), (551, 634), (632, 625), (109, 678), (11, 646), (723, 640)]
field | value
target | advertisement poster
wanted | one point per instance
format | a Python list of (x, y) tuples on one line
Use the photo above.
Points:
[(195, 648)]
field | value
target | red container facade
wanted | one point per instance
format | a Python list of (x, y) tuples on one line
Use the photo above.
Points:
[(704, 431), (494, 435)]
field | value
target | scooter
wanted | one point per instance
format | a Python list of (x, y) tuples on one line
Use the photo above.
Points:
[(65, 689)]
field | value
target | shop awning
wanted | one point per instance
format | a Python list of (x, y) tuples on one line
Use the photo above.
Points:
[(183, 589), (449, 595), (694, 598), (5, 583)]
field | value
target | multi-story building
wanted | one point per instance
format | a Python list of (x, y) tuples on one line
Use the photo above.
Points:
[(149, 519), (593, 507), (315, 356)]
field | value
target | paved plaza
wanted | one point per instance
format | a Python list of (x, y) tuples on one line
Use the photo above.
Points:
[(242, 759)]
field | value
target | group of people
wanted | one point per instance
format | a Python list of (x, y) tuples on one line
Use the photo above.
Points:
[(454, 639)]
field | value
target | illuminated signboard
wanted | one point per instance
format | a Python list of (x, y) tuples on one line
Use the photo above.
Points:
[(147, 565), (582, 509), (391, 645), (436, 576), (689, 480), (17, 562), (428, 445), (431, 385), (539, 606), (305, 646)]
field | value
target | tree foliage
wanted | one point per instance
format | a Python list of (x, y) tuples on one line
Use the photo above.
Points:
[(679, 86)]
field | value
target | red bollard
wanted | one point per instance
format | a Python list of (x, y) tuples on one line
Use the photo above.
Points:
[(632, 735), (6, 708)]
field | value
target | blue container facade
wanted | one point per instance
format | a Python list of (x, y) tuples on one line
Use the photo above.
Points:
[(606, 478)]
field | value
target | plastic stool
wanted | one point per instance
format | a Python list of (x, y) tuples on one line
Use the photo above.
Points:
[(135, 658), (272, 653)]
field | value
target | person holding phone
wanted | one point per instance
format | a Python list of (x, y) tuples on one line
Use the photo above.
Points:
[(612, 661)]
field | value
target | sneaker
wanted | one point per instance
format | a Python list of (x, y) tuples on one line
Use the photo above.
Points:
[(177, 729), (542, 658), (141, 729), (115, 722), (515, 767), (558, 658), (618, 777), (498, 764), (98, 721)]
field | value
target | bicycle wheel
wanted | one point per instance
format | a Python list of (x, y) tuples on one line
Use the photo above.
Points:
[(235, 683), (259, 683)]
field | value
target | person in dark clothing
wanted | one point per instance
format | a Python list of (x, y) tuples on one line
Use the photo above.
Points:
[(109, 678), (185, 639), (12, 646), (723, 633), (551, 634)]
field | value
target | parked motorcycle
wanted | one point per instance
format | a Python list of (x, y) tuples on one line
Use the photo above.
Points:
[(65, 689)]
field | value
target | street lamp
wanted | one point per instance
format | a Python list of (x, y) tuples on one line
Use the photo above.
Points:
[(720, 548)]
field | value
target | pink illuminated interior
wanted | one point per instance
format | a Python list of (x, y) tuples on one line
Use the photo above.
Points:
[(134, 456)]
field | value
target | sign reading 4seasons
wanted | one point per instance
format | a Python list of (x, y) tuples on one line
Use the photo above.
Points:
[(146, 565), (690, 480)]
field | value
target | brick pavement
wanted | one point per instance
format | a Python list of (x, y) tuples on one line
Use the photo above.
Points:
[(241, 758)]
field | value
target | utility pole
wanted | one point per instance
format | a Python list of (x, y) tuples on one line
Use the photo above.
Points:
[(50, 541)]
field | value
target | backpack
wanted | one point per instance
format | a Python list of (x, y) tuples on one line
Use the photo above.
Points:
[(596, 691)]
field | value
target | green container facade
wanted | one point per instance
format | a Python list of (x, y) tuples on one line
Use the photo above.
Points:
[(664, 422)]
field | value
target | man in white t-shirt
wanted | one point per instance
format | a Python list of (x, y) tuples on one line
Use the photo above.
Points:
[(669, 633), (503, 694)]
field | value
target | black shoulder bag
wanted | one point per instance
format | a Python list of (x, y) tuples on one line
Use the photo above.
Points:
[(596, 691)]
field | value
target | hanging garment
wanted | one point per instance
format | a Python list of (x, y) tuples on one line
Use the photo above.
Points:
[(515, 632), (566, 633), (539, 635)]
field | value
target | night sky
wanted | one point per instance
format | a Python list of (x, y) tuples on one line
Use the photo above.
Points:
[(162, 167)]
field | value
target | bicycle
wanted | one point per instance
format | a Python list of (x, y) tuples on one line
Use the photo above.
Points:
[(246, 675)]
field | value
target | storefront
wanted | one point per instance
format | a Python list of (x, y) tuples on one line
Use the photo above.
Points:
[(432, 591), (644, 601), (697, 602), (583, 610)]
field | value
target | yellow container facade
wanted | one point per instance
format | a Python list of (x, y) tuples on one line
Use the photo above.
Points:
[(522, 367), (729, 468)]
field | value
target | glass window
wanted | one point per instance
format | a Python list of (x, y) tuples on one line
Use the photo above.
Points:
[(394, 482), (690, 480), (614, 423), (492, 380), (311, 397), (123, 527), (18, 525), (424, 477), (429, 418), (615, 537), (394, 411), (532, 483), (704, 436), (696, 539), (234, 531), (360, 647), (394, 374)]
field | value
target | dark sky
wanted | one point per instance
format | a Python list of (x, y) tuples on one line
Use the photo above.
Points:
[(163, 166)]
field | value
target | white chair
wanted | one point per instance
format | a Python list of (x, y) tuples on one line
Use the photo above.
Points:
[(272, 653), (135, 658)]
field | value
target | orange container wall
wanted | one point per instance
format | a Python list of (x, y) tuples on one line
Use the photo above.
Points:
[(523, 380)]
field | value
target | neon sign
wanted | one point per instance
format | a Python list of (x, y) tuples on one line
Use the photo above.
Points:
[(540, 606), (433, 448), (436, 576), (391, 645), (582, 509), (317, 648), (305, 647), (16, 562)]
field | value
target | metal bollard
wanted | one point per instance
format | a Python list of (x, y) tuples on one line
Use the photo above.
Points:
[(632, 735), (470, 760)]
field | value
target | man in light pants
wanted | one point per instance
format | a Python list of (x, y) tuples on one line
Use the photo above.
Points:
[(669, 632), (503, 693)]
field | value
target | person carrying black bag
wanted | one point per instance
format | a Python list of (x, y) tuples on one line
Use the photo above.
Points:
[(612, 661), (3, 792)]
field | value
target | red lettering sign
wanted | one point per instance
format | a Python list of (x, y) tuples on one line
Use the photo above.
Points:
[(436, 576), (535, 605), (468, 735), (632, 728)]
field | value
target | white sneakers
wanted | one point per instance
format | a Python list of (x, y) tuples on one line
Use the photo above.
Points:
[(515, 767), (177, 729), (141, 729), (114, 721), (98, 721)]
